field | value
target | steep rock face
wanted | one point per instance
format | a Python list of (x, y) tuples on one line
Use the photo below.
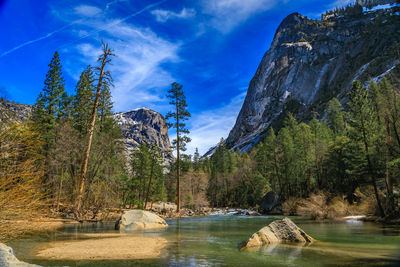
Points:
[(14, 113), (311, 61), (144, 125), (370, 3)]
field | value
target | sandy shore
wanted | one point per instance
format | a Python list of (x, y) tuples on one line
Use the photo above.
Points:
[(11, 229), (104, 247)]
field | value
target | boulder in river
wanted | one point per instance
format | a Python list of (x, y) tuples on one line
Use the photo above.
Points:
[(279, 231), (270, 203), (140, 220), (8, 259)]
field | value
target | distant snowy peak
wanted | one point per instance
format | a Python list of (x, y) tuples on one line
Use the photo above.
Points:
[(143, 125), (373, 3)]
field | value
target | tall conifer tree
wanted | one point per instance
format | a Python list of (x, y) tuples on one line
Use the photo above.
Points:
[(364, 122), (178, 118)]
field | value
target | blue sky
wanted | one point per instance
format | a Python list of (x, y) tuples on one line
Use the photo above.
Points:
[(212, 47)]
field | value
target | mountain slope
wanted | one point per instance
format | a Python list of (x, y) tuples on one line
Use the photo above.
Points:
[(311, 61), (13, 113), (144, 125)]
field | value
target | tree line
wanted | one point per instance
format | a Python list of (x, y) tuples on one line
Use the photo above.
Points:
[(337, 154), (74, 149)]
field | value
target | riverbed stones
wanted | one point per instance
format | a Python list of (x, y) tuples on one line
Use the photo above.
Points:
[(279, 231), (139, 220), (8, 259)]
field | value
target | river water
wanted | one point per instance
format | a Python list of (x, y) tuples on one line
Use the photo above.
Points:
[(213, 241)]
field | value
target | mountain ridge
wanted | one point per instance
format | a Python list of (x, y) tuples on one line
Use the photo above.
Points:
[(311, 61), (137, 126)]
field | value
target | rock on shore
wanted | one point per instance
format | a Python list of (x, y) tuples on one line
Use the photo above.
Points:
[(279, 231), (8, 259), (140, 220)]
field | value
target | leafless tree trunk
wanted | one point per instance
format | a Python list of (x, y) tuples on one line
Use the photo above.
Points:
[(104, 60)]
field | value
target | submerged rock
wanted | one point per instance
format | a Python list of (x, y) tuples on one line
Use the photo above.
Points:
[(140, 220), (279, 231), (8, 259)]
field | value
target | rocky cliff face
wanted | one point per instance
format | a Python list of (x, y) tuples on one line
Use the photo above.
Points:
[(14, 113), (310, 62), (144, 125)]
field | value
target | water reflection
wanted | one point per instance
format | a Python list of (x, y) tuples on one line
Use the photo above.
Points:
[(212, 241)]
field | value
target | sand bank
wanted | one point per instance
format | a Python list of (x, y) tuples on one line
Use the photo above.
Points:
[(104, 247)]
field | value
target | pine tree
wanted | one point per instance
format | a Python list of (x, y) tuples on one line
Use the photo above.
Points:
[(196, 160), (335, 116), (83, 101), (364, 123), (105, 108), (52, 101), (178, 117)]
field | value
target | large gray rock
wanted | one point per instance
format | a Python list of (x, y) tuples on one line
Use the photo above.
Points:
[(140, 220), (279, 231), (8, 259), (311, 61), (270, 203), (144, 125)]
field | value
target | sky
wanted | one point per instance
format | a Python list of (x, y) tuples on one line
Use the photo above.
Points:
[(211, 47)]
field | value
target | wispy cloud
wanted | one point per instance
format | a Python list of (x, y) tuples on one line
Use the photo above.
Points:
[(227, 14), (37, 39), (114, 2), (164, 15), (208, 127), (137, 70), (342, 3), (114, 22), (87, 11)]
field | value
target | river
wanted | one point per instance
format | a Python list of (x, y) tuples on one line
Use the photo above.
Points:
[(213, 241)]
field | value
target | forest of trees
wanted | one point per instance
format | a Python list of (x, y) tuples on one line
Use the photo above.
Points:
[(338, 154), (43, 160)]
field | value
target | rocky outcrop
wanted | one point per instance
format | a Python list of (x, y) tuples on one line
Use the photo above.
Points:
[(371, 3), (279, 231), (8, 259), (270, 203), (139, 220), (310, 62), (144, 125), (14, 113)]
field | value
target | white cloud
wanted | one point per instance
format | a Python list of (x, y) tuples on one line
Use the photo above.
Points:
[(207, 127), (164, 15), (87, 11), (137, 71), (342, 3), (137, 68), (227, 14)]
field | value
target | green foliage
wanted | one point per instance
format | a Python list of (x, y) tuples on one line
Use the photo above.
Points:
[(147, 180), (52, 101), (63, 122), (82, 104), (337, 155), (178, 116)]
